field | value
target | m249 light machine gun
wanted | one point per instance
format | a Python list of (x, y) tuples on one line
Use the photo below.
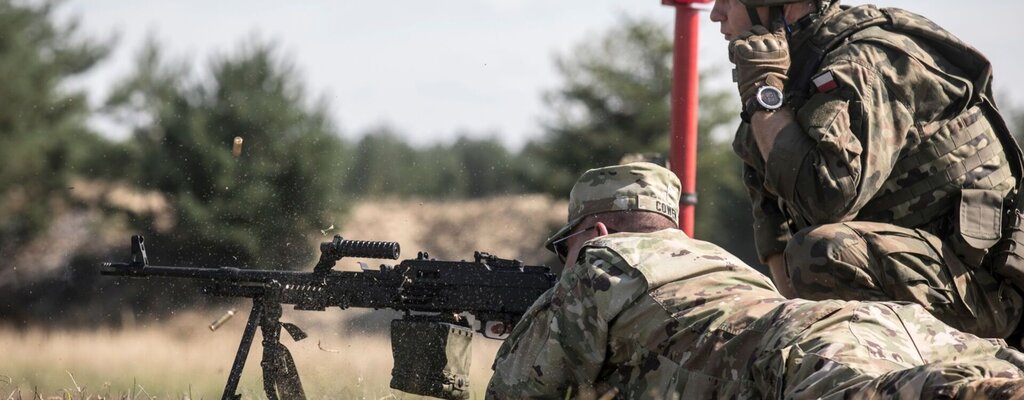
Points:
[(430, 344)]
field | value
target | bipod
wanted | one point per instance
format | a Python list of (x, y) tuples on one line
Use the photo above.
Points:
[(280, 377)]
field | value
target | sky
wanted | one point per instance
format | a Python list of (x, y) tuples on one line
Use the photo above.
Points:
[(437, 70)]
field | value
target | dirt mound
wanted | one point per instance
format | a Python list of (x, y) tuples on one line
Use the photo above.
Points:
[(507, 226)]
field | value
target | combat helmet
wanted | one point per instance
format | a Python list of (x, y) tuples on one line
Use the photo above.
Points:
[(775, 9)]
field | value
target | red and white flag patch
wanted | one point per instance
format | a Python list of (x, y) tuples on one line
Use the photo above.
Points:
[(825, 82)]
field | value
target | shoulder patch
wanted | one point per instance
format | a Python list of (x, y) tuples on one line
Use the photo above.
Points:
[(825, 82)]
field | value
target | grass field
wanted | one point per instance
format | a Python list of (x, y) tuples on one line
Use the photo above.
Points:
[(183, 359)]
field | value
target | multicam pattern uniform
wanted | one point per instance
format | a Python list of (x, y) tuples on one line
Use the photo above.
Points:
[(869, 178), (660, 315)]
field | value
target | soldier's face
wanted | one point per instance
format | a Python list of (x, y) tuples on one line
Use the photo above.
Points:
[(575, 243), (732, 17), (580, 236)]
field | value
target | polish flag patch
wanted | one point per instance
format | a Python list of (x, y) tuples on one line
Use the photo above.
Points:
[(825, 82)]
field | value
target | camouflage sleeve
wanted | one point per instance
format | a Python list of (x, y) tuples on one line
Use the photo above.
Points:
[(561, 344), (771, 226), (837, 155)]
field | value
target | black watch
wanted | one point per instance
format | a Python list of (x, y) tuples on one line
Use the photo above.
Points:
[(768, 99)]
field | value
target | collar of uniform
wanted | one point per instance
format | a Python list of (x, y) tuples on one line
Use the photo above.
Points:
[(808, 26), (803, 23)]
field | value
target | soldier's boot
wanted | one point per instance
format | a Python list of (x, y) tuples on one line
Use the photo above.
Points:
[(992, 389)]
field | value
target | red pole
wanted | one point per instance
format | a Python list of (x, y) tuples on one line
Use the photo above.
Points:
[(685, 78)]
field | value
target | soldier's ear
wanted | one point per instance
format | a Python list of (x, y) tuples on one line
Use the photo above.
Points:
[(601, 229)]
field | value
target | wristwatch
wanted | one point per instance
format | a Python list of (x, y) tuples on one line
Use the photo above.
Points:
[(768, 99)]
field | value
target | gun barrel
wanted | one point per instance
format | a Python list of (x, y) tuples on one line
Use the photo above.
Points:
[(226, 274)]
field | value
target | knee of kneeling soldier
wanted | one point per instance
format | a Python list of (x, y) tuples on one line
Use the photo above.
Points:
[(818, 255), (821, 245)]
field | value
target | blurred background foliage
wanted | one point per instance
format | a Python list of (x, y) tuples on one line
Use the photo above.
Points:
[(43, 138), (254, 208), (175, 179)]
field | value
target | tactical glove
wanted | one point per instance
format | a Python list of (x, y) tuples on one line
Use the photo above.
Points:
[(761, 58)]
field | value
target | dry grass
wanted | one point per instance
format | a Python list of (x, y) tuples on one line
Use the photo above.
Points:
[(182, 359)]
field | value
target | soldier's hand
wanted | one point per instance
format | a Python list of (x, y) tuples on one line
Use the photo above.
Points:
[(761, 58)]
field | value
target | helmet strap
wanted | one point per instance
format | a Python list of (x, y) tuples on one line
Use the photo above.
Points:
[(778, 17), (755, 18), (775, 15)]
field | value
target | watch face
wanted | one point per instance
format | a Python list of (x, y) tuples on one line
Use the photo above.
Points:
[(769, 97)]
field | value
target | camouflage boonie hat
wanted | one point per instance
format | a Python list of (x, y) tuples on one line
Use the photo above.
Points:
[(635, 186)]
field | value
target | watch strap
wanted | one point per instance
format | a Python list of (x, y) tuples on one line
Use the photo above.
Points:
[(752, 106)]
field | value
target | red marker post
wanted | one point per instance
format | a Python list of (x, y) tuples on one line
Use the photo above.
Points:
[(685, 78)]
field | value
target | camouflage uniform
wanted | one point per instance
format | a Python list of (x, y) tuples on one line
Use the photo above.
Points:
[(892, 182), (660, 315)]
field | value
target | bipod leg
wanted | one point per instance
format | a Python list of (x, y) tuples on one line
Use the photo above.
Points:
[(279, 374), (243, 351)]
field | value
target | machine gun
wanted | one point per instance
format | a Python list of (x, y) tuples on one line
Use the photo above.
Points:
[(433, 294)]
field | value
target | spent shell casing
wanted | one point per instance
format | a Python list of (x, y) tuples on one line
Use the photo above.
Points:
[(236, 148), (220, 321)]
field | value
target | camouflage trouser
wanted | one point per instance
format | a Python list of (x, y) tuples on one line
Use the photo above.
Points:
[(864, 350), (875, 261)]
